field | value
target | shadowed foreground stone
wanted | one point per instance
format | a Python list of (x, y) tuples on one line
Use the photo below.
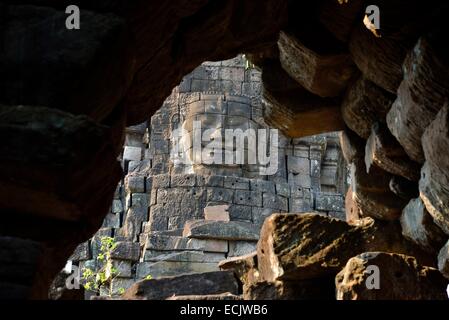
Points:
[(311, 289), (323, 73), (244, 267), (418, 226), (400, 278), (363, 105), (194, 284), (443, 260), (434, 182), (294, 110), (383, 150), (421, 94), (372, 192), (316, 246)]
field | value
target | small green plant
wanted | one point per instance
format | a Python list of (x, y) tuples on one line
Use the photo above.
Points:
[(149, 277), (248, 64), (105, 272)]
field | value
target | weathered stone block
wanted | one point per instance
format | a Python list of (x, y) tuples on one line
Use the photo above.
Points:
[(421, 94), (210, 181), (383, 150), (82, 252), (172, 268), (236, 183), (232, 73), (434, 174), (135, 184), (217, 213), (274, 202), (364, 104), (183, 180), (183, 256), (250, 198), (95, 242), (315, 253), (132, 153), (220, 194), (372, 192), (239, 109), (260, 214), (240, 212), (262, 185), (221, 230), (117, 206), (309, 289), (208, 297), (161, 181), (126, 250), (240, 248), (418, 226), (329, 202), (401, 274), (139, 200), (197, 284), (131, 228), (300, 205), (162, 242), (111, 220), (124, 268), (340, 215), (298, 165), (120, 284), (300, 180), (443, 260), (283, 189), (326, 75)]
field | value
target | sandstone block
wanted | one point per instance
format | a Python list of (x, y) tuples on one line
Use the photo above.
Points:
[(220, 230), (82, 252), (421, 94), (434, 178), (240, 212), (183, 180), (418, 226), (183, 256), (383, 150), (443, 260), (218, 213), (250, 198), (262, 186), (236, 183), (197, 284), (400, 278), (325, 75), (329, 202), (220, 194), (126, 250), (240, 248), (363, 105), (172, 268), (320, 246), (162, 242), (132, 153), (117, 206), (161, 181), (274, 202)]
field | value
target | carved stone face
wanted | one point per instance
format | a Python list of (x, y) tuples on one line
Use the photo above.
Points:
[(200, 144)]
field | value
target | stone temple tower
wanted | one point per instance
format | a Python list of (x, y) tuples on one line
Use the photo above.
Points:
[(175, 213)]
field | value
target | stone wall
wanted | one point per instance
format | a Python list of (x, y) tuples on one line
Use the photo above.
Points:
[(172, 217)]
